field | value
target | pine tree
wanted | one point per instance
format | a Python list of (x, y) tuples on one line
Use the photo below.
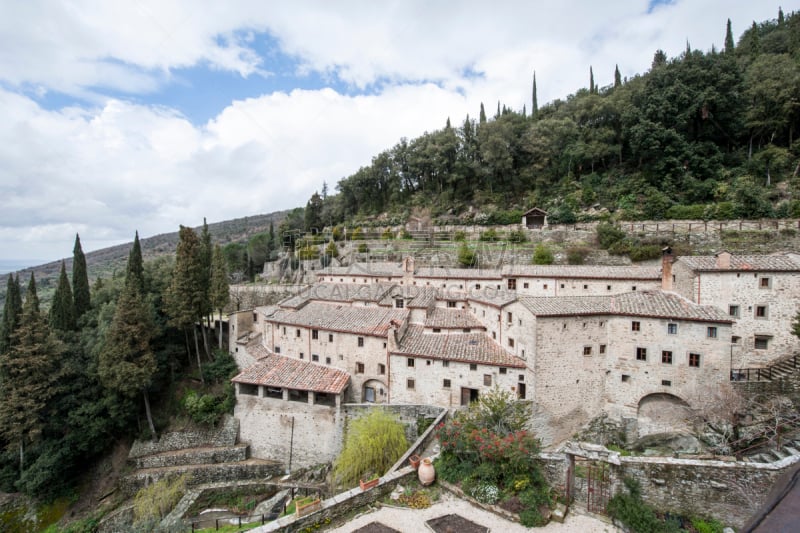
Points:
[(134, 273), (482, 117), (220, 289), (729, 44), (617, 76), (127, 363), (62, 310), (206, 252), (591, 81), (535, 101), (184, 297), (12, 313), (80, 280), (781, 19), (29, 372)]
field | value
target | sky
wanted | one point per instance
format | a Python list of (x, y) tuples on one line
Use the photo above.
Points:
[(148, 114)]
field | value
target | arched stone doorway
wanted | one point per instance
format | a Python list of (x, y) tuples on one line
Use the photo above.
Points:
[(374, 391), (663, 413)]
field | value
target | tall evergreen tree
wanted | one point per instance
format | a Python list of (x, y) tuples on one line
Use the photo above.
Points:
[(729, 44), (591, 81), (184, 298), (29, 371), (535, 99), (135, 270), (780, 16), (62, 309), (127, 363), (81, 296), (617, 76), (482, 116), (206, 253), (12, 313), (220, 289)]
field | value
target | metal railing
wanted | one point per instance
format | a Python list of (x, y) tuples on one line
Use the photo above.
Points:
[(763, 373)]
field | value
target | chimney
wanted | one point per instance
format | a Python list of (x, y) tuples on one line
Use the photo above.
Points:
[(723, 260), (666, 268)]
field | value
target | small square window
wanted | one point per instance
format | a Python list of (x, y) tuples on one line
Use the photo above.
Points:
[(735, 339), (666, 383), (314, 357), (521, 377), (585, 286), (764, 283), (525, 285), (451, 305), (410, 383), (672, 329), (512, 284), (277, 349), (315, 334), (641, 354), (445, 364), (487, 380), (302, 355), (477, 286), (503, 370), (636, 325), (761, 311), (602, 349), (666, 357), (381, 369), (473, 366), (587, 350), (510, 342), (608, 287), (330, 337), (711, 332), (410, 362), (625, 378), (361, 342), (359, 368), (544, 286), (694, 359), (633, 288), (761, 342), (446, 384), (398, 303), (733, 310), (327, 360)]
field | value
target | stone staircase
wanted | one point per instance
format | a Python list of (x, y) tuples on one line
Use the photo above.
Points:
[(776, 371), (790, 447)]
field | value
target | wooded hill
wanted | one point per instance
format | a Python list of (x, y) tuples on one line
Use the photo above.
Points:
[(703, 135)]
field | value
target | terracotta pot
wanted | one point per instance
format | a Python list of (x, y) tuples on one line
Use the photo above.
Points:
[(366, 485), (426, 472), (414, 460)]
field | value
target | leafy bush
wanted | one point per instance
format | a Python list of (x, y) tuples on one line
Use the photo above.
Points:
[(387, 234), (635, 514), (608, 235), (363, 248), (643, 252), (517, 236), (490, 235), (308, 253), (576, 255), (504, 218), (707, 525), (622, 247), (221, 369), (157, 500), (467, 256), (686, 212), (486, 493), (460, 236), (332, 250), (542, 255), (208, 409), (357, 235)]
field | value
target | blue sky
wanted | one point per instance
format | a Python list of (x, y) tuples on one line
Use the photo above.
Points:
[(125, 116)]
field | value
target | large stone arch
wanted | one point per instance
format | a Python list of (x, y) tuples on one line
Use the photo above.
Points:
[(379, 392), (663, 413)]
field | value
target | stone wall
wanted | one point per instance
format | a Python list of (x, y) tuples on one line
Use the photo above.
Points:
[(408, 415), (225, 435), (230, 454)]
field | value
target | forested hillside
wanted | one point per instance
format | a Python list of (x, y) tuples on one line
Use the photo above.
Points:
[(708, 134)]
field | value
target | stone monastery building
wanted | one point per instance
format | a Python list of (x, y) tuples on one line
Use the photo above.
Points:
[(574, 341)]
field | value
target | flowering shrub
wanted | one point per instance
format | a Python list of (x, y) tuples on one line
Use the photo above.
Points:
[(486, 493)]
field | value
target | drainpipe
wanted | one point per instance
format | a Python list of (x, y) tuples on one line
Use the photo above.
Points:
[(291, 446)]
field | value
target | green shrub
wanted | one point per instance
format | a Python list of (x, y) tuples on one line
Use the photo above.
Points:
[(635, 514), (221, 369), (686, 212), (622, 247), (542, 255), (608, 234), (707, 525), (207, 409), (576, 255), (643, 252), (460, 236), (308, 253), (517, 236), (363, 248), (405, 234), (387, 234), (157, 500), (357, 235), (490, 235), (332, 250), (467, 257)]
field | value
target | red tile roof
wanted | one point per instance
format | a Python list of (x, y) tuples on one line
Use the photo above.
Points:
[(764, 263), (462, 347), (283, 372), (372, 321), (452, 319), (583, 272)]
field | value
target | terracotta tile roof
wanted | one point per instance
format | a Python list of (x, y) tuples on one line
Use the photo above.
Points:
[(583, 272), (373, 269), (372, 321), (452, 319), (764, 263), (657, 304), (339, 292), (415, 296), (463, 347), (284, 372), (457, 273), (490, 296)]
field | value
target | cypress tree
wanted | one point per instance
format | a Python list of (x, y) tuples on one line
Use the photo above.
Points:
[(80, 280), (729, 44), (220, 289), (12, 313), (780, 16), (135, 270), (535, 101), (29, 376), (482, 116), (591, 81), (62, 310), (206, 253), (617, 76)]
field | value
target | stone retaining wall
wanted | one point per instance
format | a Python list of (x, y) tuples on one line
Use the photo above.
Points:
[(225, 435), (228, 454), (200, 475), (408, 414)]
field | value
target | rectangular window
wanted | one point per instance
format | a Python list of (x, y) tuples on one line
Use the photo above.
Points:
[(641, 354), (544, 286), (446, 384), (503, 370), (525, 285), (585, 286), (636, 326), (633, 288), (764, 283), (562, 286), (625, 378), (666, 383), (297, 333), (672, 329), (410, 383), (410, 362), (711, 332), (437, 330), (361, 342), (315, 334), (694, 359), (477, 286), (735, 339), (284, 330), (451, 305), (509, 318), (512, 284), (587, 350), (255, 317), (302, 355), (733, 310), (666, 357), (473, 366), (761, 342), (510, 342), (445, 364), (330, 337), (314, 357), (602, 349), (359, 368), (487, 380), (277, 349), (521, 377), (398, 303), (761, 311), (381, 369), (608, 287), (327, 360), (466, 330)]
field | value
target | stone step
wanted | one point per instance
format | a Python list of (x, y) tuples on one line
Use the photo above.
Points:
[(193, 456), (250, 469), (791, 450)]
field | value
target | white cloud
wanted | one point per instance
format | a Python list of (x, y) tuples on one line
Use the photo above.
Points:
[(108, 167)]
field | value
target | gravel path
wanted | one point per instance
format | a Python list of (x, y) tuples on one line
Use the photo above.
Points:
[(413, 520)]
